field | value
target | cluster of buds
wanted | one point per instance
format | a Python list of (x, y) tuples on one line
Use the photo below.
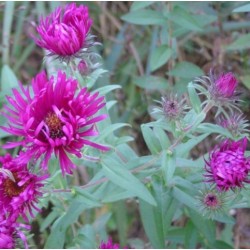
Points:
[(227, 167)]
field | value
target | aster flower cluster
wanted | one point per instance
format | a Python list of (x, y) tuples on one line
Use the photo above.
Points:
[(55, 116), (20, 190), (227, 167)]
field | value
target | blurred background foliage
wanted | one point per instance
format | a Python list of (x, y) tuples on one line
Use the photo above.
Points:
[(148, 48)]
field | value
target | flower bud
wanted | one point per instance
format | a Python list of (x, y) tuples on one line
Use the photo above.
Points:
[(226, 84)]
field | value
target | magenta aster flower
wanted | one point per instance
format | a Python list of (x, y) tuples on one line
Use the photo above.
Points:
[(20, 193), (54, 120), (11, 234), (65, 32), (109, 245), (221, 89), (226, 84), (227, 167)]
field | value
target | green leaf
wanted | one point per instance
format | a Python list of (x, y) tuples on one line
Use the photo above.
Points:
[(20, 21), (8, 78), (244, 8), (176, 234), (246, 80), (48, 220), (190, 236), (219, 244), (151, 82), (162, 137), (9, 11), (120, 212), (123, 178), (85, 197), (187, 146), (213, 128), (94, 76), (186, 70), (144, 17), (101, 221), (194, 98), (25, 54), (3, 122), (205, 226), (150, 139), (168, 166), (240, 44), (110, 104), (107, 131), (106, 89), (57, 238), (184, 198), (86, 237), (140, 5), (116, 50), (160, 56), (184, 19), (152, 223)]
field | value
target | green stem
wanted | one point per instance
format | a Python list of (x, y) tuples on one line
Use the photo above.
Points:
[(179, 139), (104, 179)]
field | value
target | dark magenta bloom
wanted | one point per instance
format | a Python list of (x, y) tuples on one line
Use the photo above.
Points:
[(11, 234), (54, 120), (109, 245), (65, 31), (221, 88), (19, 188), (227, 167), (226, 84)]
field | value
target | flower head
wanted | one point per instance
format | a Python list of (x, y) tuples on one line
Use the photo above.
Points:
[(109, 245), (172, 108), (222, 89), (235, 123), (54, 120), (19, 189), (211, 202), (227, 167), (11, 234), (65, 32), (225, 85)]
